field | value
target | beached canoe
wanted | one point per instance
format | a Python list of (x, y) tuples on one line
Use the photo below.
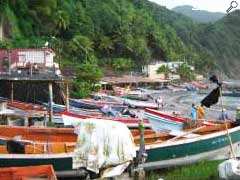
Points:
[(161, 121), (93, 104), (28, 172), (70, 118), (140, 104), (211, 146), (135, 97), (163, 149), (87, 136)]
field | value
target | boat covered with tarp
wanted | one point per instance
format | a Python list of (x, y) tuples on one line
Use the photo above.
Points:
[(102, 145)]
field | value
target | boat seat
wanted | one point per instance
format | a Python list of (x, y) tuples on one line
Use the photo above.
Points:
[(34, 149), (3, 149), (58, 148)]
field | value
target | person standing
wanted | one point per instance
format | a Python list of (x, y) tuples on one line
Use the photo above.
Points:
[(200, 112), (160, 102), (194, 113)]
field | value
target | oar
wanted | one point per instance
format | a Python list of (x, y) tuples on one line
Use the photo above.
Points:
[(182, 135)]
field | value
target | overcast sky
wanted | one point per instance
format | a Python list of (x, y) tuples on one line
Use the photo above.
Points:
[(209, 5)]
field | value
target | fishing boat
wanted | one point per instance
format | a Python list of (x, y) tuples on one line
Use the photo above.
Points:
[(140, 104), (163, 121), (58, 108), (163, 149), (136, 97), (28, 172), (93, 104), (65, 149), (41, 146), (206, 140), (210, 144), (169, 121), (70, 118)]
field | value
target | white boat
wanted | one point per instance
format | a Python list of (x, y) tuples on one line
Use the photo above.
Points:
[(140, 104)]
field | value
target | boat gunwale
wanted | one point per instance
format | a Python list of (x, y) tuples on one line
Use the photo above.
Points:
[(165, 120), (160, 114), (37, 156), (168, 143)]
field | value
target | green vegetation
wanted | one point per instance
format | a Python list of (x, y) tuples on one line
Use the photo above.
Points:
[(122, 65), (201, 16), (121, 34), (185, 72), (164, 70), (200, 171)]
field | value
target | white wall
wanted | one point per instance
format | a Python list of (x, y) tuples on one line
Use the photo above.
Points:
[(38, 57)]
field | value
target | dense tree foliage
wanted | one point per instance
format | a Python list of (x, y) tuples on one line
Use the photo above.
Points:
[(118, 33)]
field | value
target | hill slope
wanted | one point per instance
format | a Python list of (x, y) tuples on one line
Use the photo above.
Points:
[(126, 34), (201, 16)]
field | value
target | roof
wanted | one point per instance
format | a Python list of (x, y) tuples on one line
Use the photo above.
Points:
[(132, 79)]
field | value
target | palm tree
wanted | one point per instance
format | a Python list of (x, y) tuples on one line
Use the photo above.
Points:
[(62, 20), (165, 70)]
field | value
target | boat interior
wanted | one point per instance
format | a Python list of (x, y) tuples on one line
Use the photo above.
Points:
[(63, 140)]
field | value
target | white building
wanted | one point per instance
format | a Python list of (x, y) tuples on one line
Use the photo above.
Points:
[(151, 69)]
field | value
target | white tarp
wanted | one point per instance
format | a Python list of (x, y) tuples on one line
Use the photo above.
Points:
[(229, 169), (102, 143)]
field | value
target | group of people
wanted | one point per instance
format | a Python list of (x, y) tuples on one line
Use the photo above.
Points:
[(197, 112)]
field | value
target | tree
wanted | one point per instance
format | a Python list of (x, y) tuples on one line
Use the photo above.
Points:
[(62, 20), (81, 47), (185, 72), (89, 72), (122, 64), (164, 70), (87, 75)]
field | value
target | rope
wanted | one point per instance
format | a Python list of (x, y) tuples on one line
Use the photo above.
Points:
[(225, 122)]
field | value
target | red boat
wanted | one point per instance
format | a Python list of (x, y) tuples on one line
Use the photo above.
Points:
[(130, 122)]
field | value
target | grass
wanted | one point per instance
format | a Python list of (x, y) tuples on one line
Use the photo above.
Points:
[(201, 171)]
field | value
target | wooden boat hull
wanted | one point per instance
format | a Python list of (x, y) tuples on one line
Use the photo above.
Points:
[(207, 147), (28, 172), (130, 122), (160, 121), (60, 162), (94, 105)]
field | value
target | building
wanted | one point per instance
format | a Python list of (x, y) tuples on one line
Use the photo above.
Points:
[(31, 75), (151, 69), (23, 59)]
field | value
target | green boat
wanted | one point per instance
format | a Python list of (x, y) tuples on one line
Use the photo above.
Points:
[(212, 146), (60, 162)]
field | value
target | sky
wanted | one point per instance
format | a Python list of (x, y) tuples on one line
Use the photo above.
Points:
[(209, 5)]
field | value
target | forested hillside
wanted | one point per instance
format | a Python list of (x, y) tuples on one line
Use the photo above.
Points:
[(200, 16), (126, 34)]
